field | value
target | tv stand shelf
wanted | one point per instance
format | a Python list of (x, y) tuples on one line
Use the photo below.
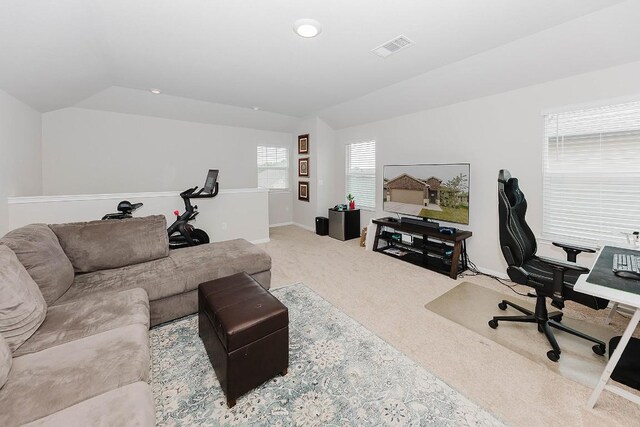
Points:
[(428, 248)]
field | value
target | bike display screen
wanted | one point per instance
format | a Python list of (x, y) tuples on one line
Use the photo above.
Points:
[(210, 182)]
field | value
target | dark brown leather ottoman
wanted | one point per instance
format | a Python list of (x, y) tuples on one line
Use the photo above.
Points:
[(245, 331)]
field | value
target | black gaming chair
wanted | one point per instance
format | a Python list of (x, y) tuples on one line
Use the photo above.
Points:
[(550, 278)]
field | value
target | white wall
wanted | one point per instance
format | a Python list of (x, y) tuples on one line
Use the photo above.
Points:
[(20, 153), (232, 214), (89, 152), (500, 131), (281, 205), (329, 194)]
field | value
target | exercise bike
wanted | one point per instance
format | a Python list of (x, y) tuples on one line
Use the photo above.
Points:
[(125, 210), (183, 234)]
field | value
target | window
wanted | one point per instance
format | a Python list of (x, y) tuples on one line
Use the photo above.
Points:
[(273, 167), (591, 186), (361, 173)]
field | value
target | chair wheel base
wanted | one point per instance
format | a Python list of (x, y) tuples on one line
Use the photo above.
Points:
[(553, 356), (493, 324), (502, 306), (599, 349)]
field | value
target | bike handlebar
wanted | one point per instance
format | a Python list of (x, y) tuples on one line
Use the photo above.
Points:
[(188, 194), (188, 191)]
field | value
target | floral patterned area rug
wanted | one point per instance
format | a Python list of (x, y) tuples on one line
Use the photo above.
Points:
[(340, 374)]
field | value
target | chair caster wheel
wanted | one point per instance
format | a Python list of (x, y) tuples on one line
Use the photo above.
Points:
[(493, 324), (599, 349), (540, 329), (502, 306), (553, 356)]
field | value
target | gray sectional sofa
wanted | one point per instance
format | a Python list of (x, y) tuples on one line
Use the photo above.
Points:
[(76, 304)]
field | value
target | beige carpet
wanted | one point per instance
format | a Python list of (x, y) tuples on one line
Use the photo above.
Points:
[(472, 306), (388, 296)]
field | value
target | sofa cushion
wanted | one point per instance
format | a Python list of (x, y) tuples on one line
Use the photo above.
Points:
[(88, 316), (158, 277), (101, 245), (199, 264), (51, 380), (38, 249), (22, 308), (5, 361), (131, 405), (182, 271)]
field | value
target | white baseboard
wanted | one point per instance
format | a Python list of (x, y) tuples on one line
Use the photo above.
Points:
[(259, 241), (280, 224), (305, 227)]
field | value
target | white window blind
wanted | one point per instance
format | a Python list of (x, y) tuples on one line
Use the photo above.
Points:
[(273, 167), (591, 186), (361, 173)]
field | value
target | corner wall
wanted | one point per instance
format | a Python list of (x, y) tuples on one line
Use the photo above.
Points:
[(500, 131), (304, 211), (322, 172), (20, 153)]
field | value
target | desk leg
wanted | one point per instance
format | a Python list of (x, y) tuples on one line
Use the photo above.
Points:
[(615, 357), (614, 308), (453, 273)]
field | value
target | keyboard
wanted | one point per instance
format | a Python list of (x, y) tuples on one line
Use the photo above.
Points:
[(626, 262)]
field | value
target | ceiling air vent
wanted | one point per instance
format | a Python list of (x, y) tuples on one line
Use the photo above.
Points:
[(392, 46)]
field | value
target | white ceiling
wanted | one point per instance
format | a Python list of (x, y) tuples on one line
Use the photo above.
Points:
[(60, 53), (133, 101)]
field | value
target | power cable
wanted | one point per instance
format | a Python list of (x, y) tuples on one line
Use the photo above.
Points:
[(474, 271)]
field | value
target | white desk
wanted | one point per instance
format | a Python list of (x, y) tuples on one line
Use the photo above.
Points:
[(619, 296)]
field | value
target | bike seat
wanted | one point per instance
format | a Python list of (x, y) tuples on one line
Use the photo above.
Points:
[(126, 206)]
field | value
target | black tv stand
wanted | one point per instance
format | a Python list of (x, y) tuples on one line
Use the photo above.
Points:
[(423, 246), (419, 222)]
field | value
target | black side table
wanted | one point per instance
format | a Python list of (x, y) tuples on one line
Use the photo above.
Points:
[(344, 225)]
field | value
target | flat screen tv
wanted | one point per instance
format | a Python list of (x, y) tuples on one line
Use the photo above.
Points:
[(429, 191)]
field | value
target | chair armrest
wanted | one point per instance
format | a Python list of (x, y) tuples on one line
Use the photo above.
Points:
[(573, 250), (574, 247), (554, 263)]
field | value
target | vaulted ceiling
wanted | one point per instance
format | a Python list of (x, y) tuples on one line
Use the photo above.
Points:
[(241, 53)]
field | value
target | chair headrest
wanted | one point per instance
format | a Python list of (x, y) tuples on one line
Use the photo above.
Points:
[(513, 192), (504, 176)]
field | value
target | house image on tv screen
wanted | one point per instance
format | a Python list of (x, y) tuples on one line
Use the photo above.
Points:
[(428, 196)]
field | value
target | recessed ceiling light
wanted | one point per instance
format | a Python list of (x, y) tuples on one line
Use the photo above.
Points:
[(255, 108), (155, 91), (307, 28)]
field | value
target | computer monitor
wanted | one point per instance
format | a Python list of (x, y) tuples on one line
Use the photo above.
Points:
[(210, 183)]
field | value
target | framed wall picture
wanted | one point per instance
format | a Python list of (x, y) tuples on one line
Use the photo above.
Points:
[(303, 167), (303, 144), (303, 191)]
